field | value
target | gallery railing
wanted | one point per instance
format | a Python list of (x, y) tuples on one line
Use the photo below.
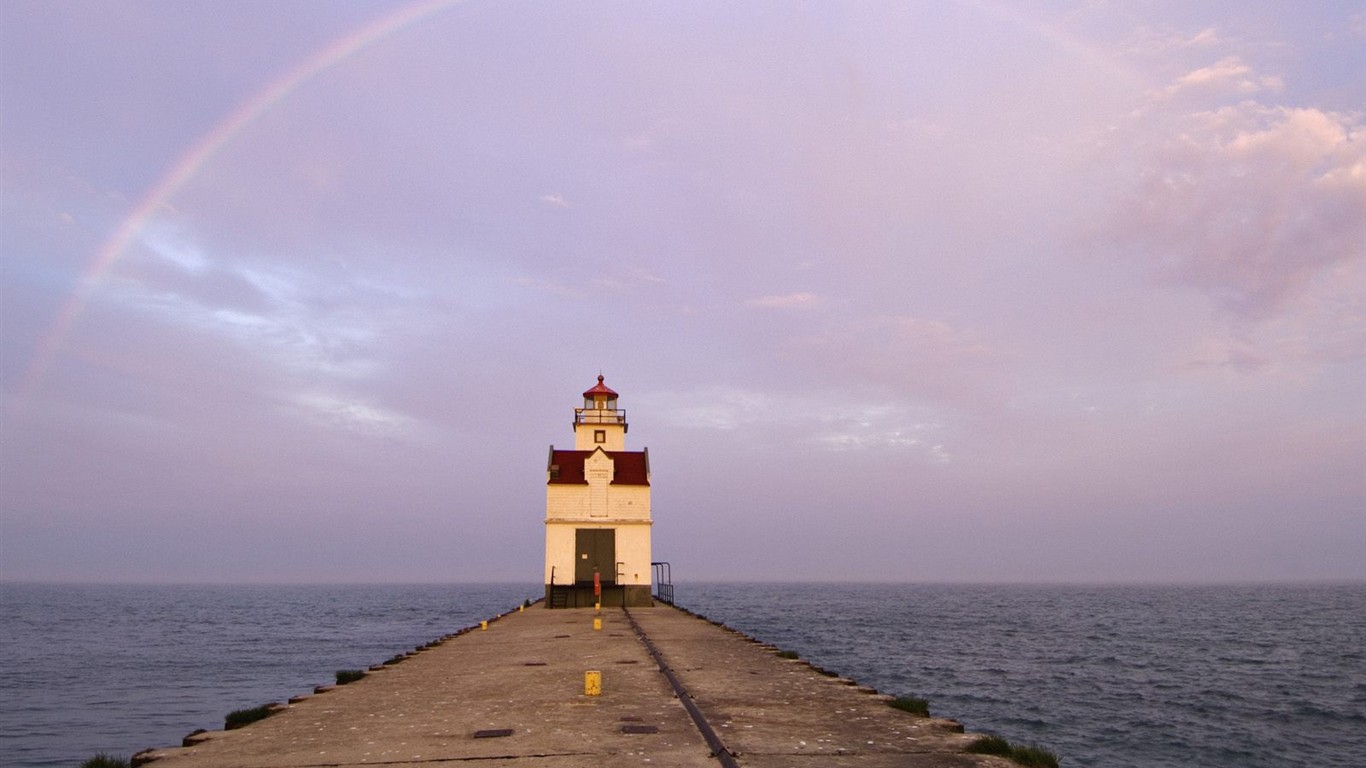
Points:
[(599, 416)]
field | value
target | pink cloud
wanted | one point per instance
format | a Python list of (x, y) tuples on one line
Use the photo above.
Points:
[(800, 300), (1230, 75), (1248, 203), (910, 356)]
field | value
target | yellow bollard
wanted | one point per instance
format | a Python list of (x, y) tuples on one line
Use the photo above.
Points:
[(520, 608), (483, 625), (597, 622), (592, 683)]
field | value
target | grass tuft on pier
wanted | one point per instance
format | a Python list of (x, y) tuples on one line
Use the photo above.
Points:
[(1029, 756), (240, 717), (102, 760), (345, 676)]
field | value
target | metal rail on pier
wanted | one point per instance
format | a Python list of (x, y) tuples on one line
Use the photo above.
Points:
[(664, 582), (714, 743)]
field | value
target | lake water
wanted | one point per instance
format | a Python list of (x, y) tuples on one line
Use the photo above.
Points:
[(1123, 677)]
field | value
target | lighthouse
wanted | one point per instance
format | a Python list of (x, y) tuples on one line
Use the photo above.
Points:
[(597, 511)]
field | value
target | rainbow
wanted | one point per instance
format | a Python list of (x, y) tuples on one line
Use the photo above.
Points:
[(190, 163), (193, 159)]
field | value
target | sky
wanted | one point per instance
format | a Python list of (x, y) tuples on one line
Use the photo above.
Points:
[(973, 291)]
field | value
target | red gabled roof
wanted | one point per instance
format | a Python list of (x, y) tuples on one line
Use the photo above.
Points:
[(600, 389), (566, 467), (630, 467)]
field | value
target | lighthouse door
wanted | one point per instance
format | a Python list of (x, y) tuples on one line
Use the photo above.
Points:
[(595, 549)]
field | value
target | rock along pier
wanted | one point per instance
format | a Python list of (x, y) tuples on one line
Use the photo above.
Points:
[(675, 690)]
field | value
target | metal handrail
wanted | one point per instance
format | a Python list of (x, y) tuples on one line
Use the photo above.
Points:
[(664, 582), (555, 590)]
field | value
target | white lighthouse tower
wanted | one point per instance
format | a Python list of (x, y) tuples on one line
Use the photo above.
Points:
[(597, 512)]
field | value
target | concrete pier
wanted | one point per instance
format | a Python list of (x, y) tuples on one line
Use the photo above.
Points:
[(514, 695)]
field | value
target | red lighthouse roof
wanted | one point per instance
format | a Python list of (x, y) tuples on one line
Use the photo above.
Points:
[(600, 389)]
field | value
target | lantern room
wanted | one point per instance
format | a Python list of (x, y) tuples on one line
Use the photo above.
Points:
[(600, 423)]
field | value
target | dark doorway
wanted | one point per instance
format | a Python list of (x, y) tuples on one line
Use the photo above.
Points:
[(595, 550)]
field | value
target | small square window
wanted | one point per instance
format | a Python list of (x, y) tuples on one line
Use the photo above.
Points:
[(599, 435)]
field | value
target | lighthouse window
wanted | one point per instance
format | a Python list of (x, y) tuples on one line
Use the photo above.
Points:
[(599, 435)]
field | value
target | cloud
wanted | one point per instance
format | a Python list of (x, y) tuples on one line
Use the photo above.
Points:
[(626, 279), (1323, 328), (1163, 41), (1205, 37), (353, 415), (802, 300), (917, 359), (548, 286), (831, 420), (715, 408), (1230, 75), (1247, 203), (302, 322), (556, 200), (881, 427), (618, 281), (1219, 351)]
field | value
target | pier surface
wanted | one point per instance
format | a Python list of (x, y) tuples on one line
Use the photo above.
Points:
[(513, 695)]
